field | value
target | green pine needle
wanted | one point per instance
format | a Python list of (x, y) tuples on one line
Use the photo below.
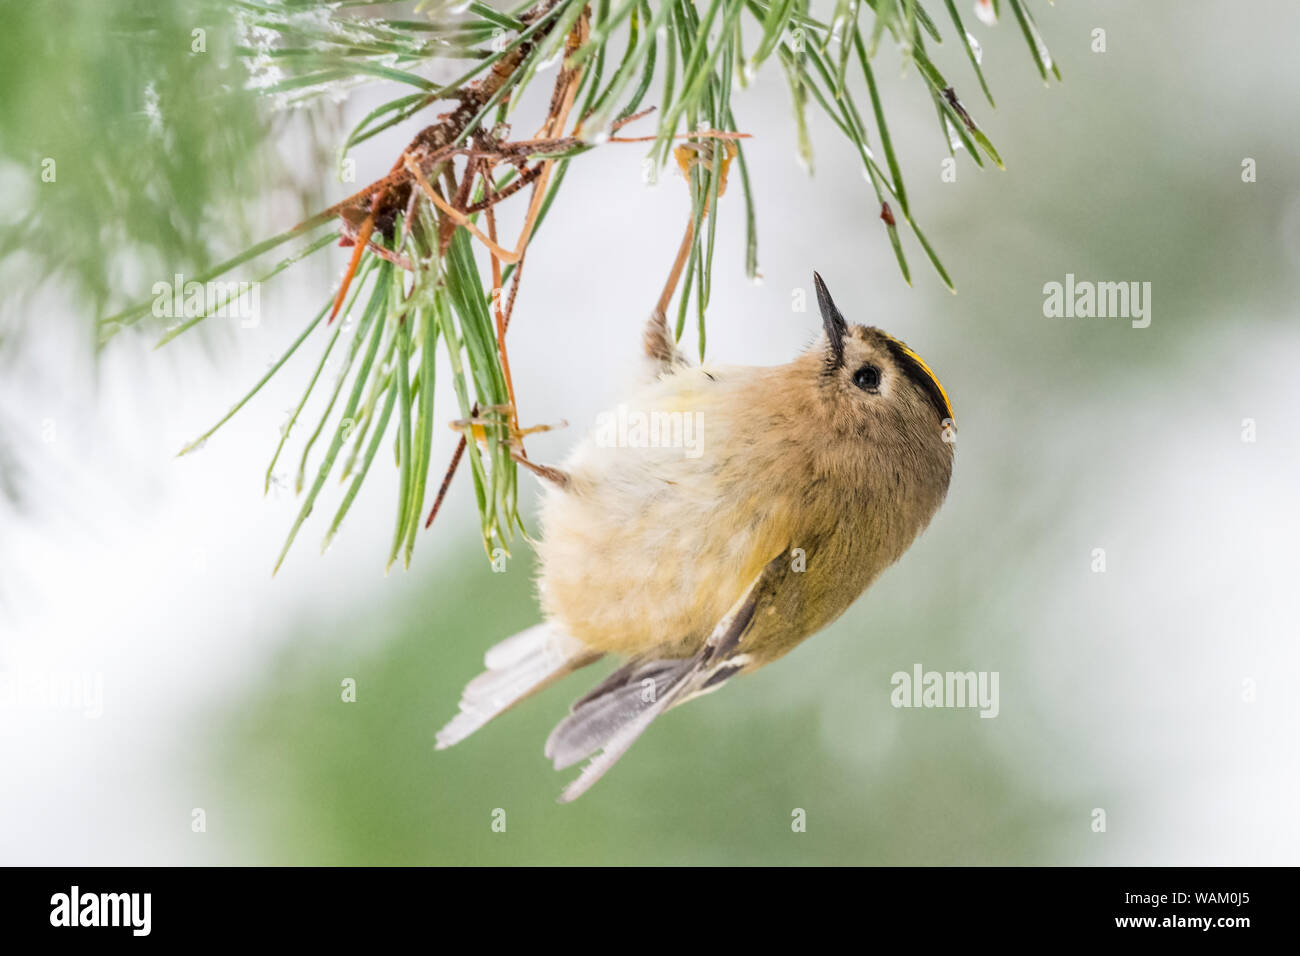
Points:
[(433, 302)]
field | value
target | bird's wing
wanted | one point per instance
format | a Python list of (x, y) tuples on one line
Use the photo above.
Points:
[(611, 717), (517, 667)]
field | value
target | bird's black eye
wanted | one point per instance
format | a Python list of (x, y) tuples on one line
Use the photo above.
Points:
[(867, 378)]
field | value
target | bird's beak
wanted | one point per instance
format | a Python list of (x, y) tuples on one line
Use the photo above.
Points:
[(833, 322)]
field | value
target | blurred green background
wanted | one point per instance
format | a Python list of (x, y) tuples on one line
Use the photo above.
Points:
[(1122, 691)]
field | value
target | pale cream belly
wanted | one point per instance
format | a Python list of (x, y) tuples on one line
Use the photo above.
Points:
[(631, 571)]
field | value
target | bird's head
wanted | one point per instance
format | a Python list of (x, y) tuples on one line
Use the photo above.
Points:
[(874, 386)]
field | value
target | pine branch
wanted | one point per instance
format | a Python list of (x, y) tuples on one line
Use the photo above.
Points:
[(421, 232)]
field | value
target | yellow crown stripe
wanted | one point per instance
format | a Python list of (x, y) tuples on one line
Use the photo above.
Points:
[(947, 403)]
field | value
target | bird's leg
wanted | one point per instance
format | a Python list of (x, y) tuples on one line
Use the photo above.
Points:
[(491, 417), (499, 416), (476, 425), (555, 476), (659, 343), (534, 429)]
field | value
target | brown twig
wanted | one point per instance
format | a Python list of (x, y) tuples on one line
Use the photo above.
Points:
[(698, 134), (481, 157), (446, 479), (526, 176)]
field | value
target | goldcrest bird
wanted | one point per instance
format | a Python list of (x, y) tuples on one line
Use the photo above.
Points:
[(803, 483)]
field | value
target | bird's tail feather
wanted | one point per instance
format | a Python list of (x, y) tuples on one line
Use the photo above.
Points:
[(606, 721), (622, 698), (612, 716), (517, 667)]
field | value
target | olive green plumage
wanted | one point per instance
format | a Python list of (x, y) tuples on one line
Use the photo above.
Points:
[(743, 510)]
